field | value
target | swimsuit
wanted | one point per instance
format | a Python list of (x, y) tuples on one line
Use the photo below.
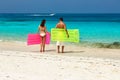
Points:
[(60, 43), (42, 34), (42, 31)]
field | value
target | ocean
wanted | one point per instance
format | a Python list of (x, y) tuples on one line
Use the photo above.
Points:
[(96, 30)]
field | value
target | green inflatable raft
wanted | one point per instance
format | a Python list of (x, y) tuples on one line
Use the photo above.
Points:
[(60, 35)]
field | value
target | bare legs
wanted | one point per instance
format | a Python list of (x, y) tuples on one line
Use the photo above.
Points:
[(62, 49), (58, 49), (42, 46)]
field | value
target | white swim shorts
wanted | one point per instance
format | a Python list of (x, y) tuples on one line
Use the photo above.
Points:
[(59, 43)]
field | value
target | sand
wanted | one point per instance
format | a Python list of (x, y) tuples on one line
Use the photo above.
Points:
[(21, 62)]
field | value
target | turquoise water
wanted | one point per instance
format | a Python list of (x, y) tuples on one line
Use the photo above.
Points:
[(94, 28)]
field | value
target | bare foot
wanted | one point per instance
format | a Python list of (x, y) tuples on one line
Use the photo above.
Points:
[(43, 50), (40, 50)]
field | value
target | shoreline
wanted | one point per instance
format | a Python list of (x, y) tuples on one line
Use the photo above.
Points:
[(70, 50), (108, 45)]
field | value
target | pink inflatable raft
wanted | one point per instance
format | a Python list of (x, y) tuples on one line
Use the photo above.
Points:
[(33, 39)]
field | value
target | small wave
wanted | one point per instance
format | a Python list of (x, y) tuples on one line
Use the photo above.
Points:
[(1, 40), (114, 45), (42, 14)]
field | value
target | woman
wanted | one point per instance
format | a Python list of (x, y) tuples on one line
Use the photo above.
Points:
[(42, 31)]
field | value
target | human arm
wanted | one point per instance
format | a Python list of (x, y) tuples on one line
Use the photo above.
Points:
[(66, 31)]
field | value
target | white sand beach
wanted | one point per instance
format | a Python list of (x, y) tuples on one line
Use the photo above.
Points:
[(21, 62)]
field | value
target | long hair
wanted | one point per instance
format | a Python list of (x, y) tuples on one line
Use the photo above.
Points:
[(43, 23)]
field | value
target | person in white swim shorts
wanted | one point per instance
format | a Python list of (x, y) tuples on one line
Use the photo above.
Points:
[(61, 25)]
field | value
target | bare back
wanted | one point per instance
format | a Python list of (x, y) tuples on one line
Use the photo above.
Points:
[(42, 29), (61, 25)]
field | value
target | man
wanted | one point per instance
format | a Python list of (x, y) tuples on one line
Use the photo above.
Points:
[(61, 25)]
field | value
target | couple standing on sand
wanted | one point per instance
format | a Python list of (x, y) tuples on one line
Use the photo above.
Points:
[(42, 31)]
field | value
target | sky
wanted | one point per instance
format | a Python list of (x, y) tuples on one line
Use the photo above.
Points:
[(59, 6)]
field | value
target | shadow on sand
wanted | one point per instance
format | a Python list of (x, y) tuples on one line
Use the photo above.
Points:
[(54, 51), (51, 50), (74, 51)]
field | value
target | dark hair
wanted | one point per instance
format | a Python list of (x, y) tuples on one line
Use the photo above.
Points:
[(43, 23), (61, 19)]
